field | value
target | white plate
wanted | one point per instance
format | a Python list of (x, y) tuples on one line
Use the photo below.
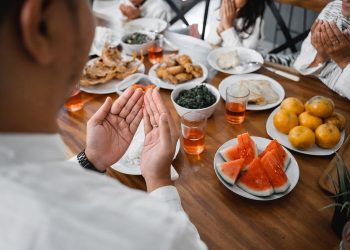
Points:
[(292, 170), (111, 86), (133, 168), (244, 54), (235, 79), (135, 78), (283, 139), (146, 24), (166, 85)]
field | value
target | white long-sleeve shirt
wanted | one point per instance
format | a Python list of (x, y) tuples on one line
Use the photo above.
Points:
[(329, 72), (232, 38), (50, 203)]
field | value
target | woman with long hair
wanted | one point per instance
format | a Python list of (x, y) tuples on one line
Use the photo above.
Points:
[(238, 23)]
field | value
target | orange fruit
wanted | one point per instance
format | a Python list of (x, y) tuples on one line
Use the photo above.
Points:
[(293, 105), (327, 136), (284, 121), (302, 137), (336, 119), (308, 120), (320, 106)]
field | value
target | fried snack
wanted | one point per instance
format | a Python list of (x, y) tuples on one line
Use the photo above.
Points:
[(183, 60), (197, 71), (111, 56), (170, 61), (96, 73), (174, 70), (160, 71), (169, 77), (183, 77)]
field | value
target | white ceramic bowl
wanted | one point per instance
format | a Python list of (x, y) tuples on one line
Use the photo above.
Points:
[(130, 48), (207, 112)]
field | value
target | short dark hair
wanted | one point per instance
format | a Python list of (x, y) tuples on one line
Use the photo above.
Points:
[(249, 13)]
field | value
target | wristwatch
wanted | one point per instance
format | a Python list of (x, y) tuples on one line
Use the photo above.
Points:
[(85, 163)]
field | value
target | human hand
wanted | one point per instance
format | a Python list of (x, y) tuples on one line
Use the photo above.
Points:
[(161, 137), (130, 11), (228, 14), (337, 43), (111, 129), (316, 42), (136, 2)]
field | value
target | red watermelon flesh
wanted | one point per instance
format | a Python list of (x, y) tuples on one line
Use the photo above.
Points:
[(247, 149), (255, 180), (229, 171), (230, 153), (274, 171), (281, 153)]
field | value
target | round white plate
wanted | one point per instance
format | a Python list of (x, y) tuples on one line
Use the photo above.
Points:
[(235, 79), (146, 24), (124, 165), (135, 78), (292, 171), (283, 139), (166, 85), (244, 54), (111, 86)]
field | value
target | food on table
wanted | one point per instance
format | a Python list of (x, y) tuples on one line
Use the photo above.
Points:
[(320, 106), (255, 180), (284, 121), (293, 105), (281, 154), (178, 69), (229, 60), (142, 86), (198, 97), (302, 137), (229, 171), (107, 67), (137, 38), (275, 171), (261, 92), (308, 120), (327, 136), (245, 149), (336, 119), (263, 174)]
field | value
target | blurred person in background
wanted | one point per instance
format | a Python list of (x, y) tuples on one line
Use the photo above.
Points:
[(48, 202)]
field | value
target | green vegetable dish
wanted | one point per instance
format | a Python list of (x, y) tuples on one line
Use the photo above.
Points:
[(196, 98), (137, 38)]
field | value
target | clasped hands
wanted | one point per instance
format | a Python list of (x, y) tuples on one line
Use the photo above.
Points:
[(112, 128), (330, 43), (131, 11)]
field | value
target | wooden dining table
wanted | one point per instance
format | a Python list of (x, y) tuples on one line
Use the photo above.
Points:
[(224, 219)]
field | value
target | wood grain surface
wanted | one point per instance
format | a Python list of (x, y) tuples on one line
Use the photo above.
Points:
[(224, 219), (314, 5)]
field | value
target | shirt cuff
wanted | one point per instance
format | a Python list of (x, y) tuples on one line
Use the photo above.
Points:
[(230, 38), (169, 195)]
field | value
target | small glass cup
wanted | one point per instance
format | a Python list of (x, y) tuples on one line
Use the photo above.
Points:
[(74, 102), (236, 103), (193, 126), (155, 53)]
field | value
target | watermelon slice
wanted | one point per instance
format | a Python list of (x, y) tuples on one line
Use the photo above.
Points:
[(229, 171), (247, 149), (255, 180), (281, 153), (274, 171), (230, 153)]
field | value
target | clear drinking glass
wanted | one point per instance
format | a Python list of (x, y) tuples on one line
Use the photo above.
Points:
[(236, 103), (155, 53), (193, 127), (74, 102)]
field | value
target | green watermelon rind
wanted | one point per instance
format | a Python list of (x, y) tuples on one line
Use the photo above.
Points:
[(284, 188), (260, 193)]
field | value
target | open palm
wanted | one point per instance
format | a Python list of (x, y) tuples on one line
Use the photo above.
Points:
[(112, 128)]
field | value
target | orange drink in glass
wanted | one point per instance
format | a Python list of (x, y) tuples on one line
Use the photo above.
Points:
[(236, 103), (74, 102), (193, 126), (155, 53)]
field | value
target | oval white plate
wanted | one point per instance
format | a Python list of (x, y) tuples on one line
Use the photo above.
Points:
[(283, 139), (244, 54), (165, 85), (124, 166), (111, 86), (292, 170), (146, 24), (235, 79)]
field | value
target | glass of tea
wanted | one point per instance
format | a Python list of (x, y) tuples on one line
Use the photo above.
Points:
[(74, 102), (236, 103), (155, 53), (193, 126)]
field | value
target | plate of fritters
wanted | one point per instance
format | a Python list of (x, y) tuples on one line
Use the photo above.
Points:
[(265, 92), (102, 75), (176, 70)]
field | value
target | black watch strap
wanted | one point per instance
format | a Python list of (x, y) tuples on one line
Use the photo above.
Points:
[(85, 163)]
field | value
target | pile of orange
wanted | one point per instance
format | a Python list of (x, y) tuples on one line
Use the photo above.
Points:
[(310, 123)]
